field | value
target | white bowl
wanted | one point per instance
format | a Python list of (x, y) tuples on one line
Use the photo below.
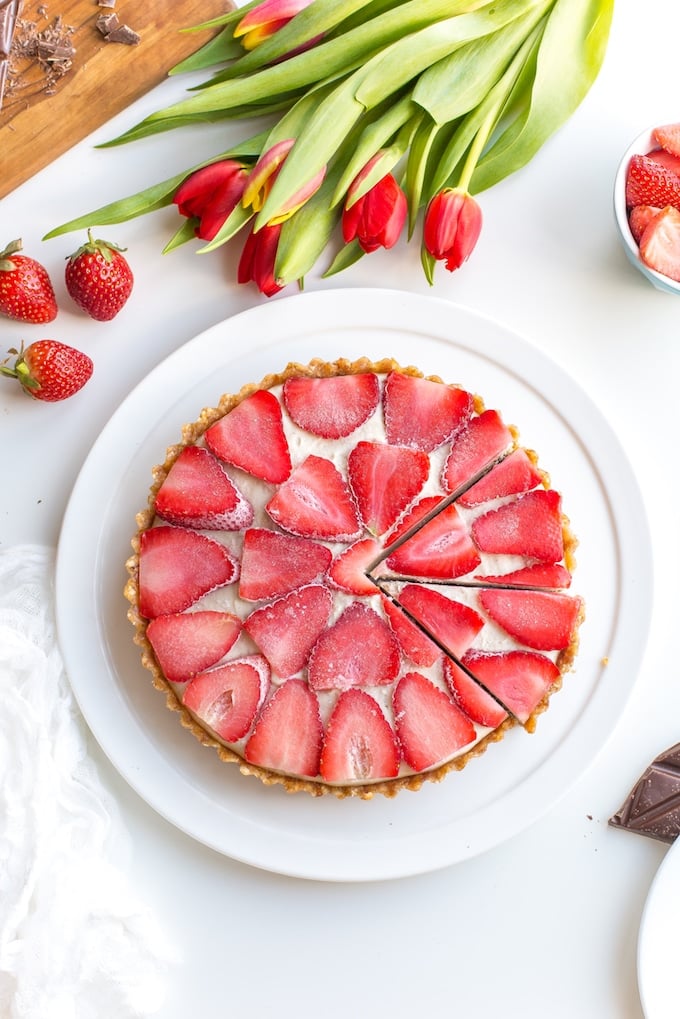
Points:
[(643, 144)]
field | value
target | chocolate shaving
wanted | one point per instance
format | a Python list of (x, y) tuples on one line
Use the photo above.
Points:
[(106, 3), (9, 10), (653, 805), (112, 30)]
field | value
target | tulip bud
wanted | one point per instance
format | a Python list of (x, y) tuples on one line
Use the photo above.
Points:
[(258, 260), (377, 217), (211, 194), (263, 175), (453, 222), (265, 19)]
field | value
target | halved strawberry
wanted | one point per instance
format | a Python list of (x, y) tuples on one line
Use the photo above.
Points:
[(516, 473), (333, 407), (430, 727), (251, 437), (667, 159), (273, 564), (668, 137), (414, 644), (177, 567), (660, 243), (544, 620), (348, 570), (639, 218), (359, 649), (198, 492), (530, 525), (421, 413), (483, 439), (471, 698), (287, 629), (385, 480), (360, 743), (288, 734), (650, 183), (189, 642), (315, 502), (520, 679), (227, 698), (442, 548), (548, 575), (453, 624)]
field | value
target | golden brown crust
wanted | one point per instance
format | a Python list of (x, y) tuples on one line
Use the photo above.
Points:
[(191, 433)]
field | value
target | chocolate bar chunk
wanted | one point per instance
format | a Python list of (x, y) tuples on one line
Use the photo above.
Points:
[(653, 805)]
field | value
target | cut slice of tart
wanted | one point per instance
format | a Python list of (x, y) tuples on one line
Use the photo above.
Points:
[(347, 576)]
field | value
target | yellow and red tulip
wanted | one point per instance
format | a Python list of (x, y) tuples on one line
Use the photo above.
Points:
[(263, 175), (266, 19)]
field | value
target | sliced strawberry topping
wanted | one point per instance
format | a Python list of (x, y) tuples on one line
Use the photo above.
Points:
[(359, 649), (453, 624), (198, 492), (315, 502), (360, 743), (516, 473), (177, 567), (442, 548), (348, 571), (660, 243), (549, 575), (531, 526), (520, 679), (287, 629), (332, 407), (189, 642), (227, 698), (385, 480), (477, 445), (471, 698), (421, 413), (668, 137), (639, 218), (251, 437), (650, 183), (273, 564), (667, 159), (413, 643), (288, 733), (544, 620), (430, 727)]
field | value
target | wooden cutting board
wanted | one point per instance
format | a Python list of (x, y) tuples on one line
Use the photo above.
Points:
[(105, 77)]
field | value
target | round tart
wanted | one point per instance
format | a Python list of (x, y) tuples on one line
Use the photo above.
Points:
[(351, 578)]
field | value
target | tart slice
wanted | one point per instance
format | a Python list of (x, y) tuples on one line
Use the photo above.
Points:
[(349, 579)]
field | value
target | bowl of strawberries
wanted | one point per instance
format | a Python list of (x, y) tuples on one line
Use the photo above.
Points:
[(647, 205)]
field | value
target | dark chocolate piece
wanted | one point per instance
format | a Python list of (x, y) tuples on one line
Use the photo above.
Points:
[(653, 805)]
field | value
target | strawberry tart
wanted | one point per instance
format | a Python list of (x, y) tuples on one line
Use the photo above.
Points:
[(351, 578)]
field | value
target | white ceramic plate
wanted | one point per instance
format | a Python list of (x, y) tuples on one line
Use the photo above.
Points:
[(514, 782), (659, 941)]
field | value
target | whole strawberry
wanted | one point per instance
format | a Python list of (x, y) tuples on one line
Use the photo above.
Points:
[(49, 370), (99, 279), (26, 291)]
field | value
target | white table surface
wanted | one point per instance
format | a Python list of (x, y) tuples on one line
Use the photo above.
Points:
[(546, 923)]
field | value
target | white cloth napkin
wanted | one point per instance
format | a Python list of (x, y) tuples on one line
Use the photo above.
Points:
[(74, 941)]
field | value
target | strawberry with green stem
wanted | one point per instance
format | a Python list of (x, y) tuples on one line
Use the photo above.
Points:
[(26, 291), (99, 278), (49, 370)]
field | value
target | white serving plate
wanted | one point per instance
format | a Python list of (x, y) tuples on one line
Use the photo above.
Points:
[(495, 797)]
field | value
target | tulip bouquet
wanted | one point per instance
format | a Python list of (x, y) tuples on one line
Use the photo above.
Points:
[(376, 115)]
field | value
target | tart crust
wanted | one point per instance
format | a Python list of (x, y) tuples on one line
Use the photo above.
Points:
[(191, 433)]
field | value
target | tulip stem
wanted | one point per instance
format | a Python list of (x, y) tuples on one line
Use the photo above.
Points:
[(477, 147)]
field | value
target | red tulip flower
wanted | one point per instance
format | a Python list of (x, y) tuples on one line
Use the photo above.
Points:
[(258, 260), (453, 222), (265, 19), (211, 194), (377, 218)]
